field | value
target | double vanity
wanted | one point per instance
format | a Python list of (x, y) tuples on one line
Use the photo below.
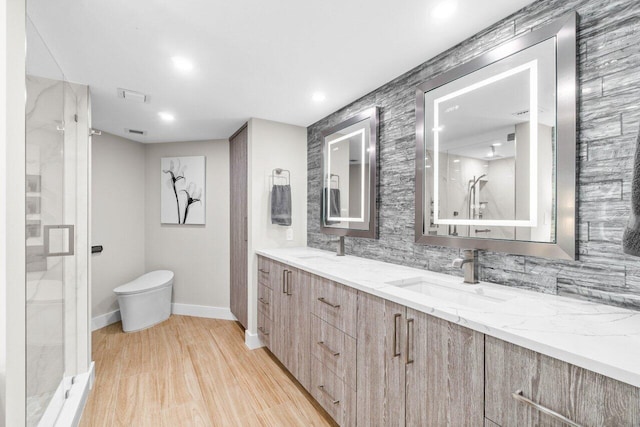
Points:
[(379, 344), (382, 344)]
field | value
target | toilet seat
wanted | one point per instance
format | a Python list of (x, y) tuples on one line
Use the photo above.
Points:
[(149, 281)]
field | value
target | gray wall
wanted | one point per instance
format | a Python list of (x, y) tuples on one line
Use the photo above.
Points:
[(609, 67), (126, 220), (117, 220), (197, 254)]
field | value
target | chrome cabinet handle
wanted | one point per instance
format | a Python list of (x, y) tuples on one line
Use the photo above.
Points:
[(322, 300), (327, 348), (333, 400), (289, 272), (409, 334), (518, 395), (263, 301), (396, 350), (284, 281), (261, 329), (262, 270)]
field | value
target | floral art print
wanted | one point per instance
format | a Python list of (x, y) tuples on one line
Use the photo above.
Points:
[(182, 194)]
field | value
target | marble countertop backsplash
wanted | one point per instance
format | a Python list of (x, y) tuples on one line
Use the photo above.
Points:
[(597, 337)]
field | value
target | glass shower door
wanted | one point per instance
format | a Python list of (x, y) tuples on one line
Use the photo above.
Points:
[(50, 219)]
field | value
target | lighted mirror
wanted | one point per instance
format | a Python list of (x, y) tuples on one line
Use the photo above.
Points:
[(496, 149), (349, 176)]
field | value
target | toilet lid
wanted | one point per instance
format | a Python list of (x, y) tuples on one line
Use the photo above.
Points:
[(146, 282)]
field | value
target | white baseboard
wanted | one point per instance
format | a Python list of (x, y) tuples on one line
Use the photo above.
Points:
[(252, 341), (74, 405), (202, 311), (107, 319), (206, 311)]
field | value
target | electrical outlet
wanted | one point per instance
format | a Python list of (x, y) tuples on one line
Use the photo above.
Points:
[(289, 233)]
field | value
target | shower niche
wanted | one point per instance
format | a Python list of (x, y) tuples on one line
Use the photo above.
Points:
[(495, 148)]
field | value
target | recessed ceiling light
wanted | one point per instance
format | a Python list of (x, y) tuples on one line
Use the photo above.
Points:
[(182, 64), (167, 117), (318, 97), (445, 9), (456, 161), (497, 144)]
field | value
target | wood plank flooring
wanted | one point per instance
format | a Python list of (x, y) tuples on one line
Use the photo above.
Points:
[(190, 371)]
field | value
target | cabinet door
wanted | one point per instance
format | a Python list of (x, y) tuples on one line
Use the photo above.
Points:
[(297, 326), (238, 225), (279, 311), (380, 362), (582, 396), (444, 373)]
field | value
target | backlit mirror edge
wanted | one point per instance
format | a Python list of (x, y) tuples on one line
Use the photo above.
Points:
[(373, 116), (564, 30)]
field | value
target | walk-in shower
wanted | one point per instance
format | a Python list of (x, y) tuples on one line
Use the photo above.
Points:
[(56, 197)]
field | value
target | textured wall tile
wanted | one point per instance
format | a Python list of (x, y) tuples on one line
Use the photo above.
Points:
[(611, 148), (621, 83), (605, 231), (591, 294), (601, 127), (609, 120), (631, 120), (601, 191), (605, 277), (591, 89)]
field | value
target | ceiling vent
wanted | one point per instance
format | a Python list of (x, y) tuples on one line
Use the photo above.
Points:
[(136, 132), (130, 95)]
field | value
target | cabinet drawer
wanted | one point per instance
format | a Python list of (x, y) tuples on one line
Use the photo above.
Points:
[(333, 394), (265, 301), (582, 396), (264, 271), (334, 349), (335, 304), (264, 329)]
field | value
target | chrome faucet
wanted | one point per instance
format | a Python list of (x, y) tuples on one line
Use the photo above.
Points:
[(340, 248), (469, 264)]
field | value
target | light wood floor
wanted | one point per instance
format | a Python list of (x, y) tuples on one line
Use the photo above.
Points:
[(190, 371)]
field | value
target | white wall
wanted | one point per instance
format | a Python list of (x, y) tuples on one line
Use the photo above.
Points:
[(118, 217), (273, 145), (197, 254), (12, 219)]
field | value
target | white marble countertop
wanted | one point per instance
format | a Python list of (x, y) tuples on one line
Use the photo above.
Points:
[(597, 337)]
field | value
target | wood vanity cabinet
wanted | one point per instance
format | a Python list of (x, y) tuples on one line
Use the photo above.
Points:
[(381, 360), (288, 337), (333, 348), (372, 362), (445, 373), (415, 369), (584, 397)]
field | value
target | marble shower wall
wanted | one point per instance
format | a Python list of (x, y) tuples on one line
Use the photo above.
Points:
[(609, 77)]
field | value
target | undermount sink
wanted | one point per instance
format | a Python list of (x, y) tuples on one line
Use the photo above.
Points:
[(471, 295)]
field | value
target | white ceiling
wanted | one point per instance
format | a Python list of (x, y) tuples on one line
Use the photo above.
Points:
[(253, 58)]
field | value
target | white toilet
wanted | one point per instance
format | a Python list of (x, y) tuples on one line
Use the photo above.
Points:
[(145, 301)]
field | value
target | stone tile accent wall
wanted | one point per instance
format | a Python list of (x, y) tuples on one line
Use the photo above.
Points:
[(609, 116)]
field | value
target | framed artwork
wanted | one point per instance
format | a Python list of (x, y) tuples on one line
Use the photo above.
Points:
[(182, 190)]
